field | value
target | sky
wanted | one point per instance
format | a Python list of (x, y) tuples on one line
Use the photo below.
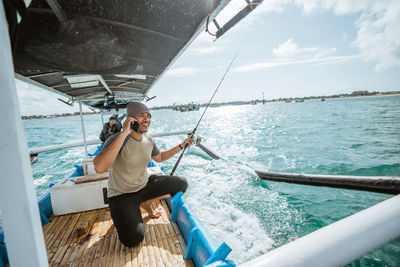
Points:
[(285, 48)]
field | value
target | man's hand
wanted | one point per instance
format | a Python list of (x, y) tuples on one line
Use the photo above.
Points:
[(189, 141), (127, 126)]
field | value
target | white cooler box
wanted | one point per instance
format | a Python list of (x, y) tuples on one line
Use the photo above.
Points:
[(68, 197)]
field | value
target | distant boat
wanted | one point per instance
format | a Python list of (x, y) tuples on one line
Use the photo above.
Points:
[(188, 107), (299, 100), (323, 99)]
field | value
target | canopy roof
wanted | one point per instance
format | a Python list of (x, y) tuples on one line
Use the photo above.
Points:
[(103, 52)]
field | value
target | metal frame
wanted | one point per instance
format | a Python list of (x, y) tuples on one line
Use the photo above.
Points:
[(100, 78), (83, 128), (37, 84)]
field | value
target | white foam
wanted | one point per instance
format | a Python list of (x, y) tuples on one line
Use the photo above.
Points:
[(212, 191), (42, 180)]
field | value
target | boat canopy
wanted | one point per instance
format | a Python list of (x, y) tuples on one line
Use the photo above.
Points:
[(103, 53)]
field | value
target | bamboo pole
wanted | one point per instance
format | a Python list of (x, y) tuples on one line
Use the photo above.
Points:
[(110, 258), (134, 256), (105, 251), (145, 254), (58, 233), (164, 241), (140, 259), (81, 254), (150, 251), (379, 184)]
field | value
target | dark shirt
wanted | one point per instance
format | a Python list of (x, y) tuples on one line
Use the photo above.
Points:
[(108, 131)]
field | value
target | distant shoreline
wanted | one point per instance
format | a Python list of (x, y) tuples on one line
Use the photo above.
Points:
[(356, 94)]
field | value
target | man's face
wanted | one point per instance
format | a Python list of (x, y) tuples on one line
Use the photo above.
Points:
[(111, 122), (144, 120)]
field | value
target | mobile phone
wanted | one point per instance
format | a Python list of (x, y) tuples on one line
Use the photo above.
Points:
[(135, 126)]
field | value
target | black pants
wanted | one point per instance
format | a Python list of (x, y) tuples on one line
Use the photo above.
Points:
[(125, 211)]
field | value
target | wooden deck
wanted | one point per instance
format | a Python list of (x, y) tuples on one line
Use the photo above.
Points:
[(163, 244)]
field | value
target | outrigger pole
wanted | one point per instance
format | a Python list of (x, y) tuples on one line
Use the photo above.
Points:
[(195, 128)]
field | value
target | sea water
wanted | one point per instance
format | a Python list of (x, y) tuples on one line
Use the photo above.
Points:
[(350, 136)]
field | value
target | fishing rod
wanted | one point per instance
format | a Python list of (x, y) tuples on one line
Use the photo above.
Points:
[(195, 128)]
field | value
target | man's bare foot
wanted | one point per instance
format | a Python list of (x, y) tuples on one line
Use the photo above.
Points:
[(154, 214)]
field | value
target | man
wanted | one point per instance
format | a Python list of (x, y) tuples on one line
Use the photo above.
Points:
[(111, 127), (128, 153)]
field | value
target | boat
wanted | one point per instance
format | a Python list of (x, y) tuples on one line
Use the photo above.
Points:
[(188, 107), (104, 55)]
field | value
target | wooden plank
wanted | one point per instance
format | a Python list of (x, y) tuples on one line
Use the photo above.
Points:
[(110, 258), (63, 245), (160, 244), (93, 239), (165, 206), (145, 254), (134, 261), (91, 178), (169, 241), (160, 247), (140, 258), (51, 231), (128, 257), (149, 246), (104, 251), (107, 225), (47, 228), (117, 252), (181, 248), (101, 238), (182, 243), (156, 247), (163, 240), (78, 253), (57, 233), (85, 250)]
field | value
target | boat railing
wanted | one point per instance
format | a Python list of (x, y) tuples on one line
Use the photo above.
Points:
[(37, 150), (341, 242)]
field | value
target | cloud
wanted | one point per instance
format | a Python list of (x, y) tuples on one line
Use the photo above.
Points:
[(316, 61), (286, 49), (290, 49), (179, 72), (378, 36)]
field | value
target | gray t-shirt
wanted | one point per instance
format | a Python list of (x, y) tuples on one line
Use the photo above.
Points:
[(129, 173)]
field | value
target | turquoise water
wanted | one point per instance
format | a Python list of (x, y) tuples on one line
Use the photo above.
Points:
[(358, 136)]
